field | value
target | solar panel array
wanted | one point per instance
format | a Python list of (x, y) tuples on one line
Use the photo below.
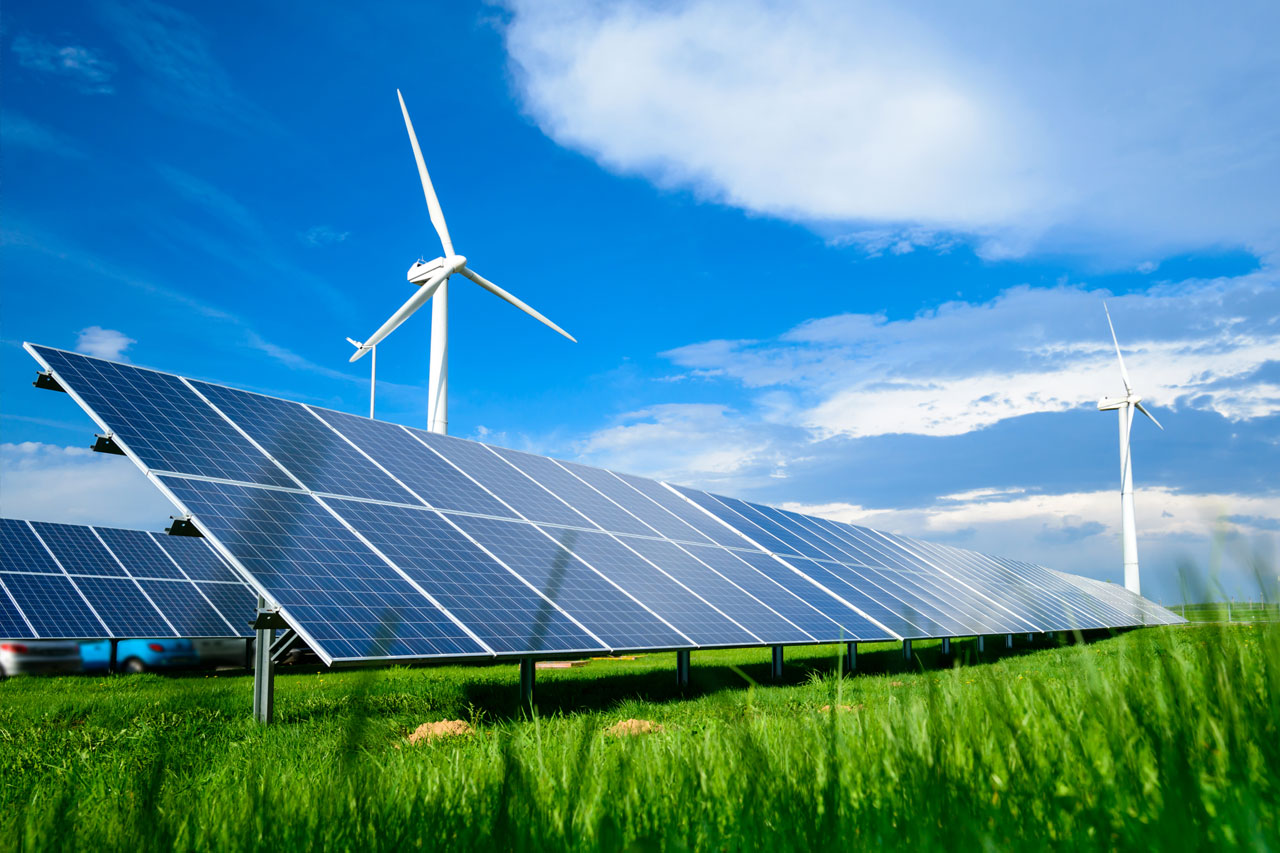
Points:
[(69, 581), (381, 541)]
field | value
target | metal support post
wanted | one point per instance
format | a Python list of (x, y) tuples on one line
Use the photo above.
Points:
[(113, 657), (777, 663), (946, 646), (851, 658), (528, 668), (1008, 641), (982, 644), (264, 668), (1031, 638), (248, 653), (682, 668), (906, 650)]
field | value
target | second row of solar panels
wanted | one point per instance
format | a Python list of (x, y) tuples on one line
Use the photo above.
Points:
[(77, 582)]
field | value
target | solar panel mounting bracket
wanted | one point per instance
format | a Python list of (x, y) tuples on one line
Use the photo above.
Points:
[(106, 444), (270, 620), (45, 380), (182, 526)]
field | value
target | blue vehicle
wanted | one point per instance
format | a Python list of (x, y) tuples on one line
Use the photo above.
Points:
[(139, 655)]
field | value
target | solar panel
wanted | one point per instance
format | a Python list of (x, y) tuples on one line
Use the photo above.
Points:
[(66, 581), (381, 541)]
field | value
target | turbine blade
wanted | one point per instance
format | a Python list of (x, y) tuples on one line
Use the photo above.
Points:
[(413, 304), (507, 297), (433, 203), (1124, 374), (1143, 409)]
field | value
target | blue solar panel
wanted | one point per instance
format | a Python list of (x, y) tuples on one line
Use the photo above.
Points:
[(675, 504), (237, 604), (141, 556), (125, 610), (478, 590), (577, 494), (189, 611), (780, 600), (661, 519), (53, 606), (776, 525), (504, 480), (762, 538), (602, 607), (718, 591), (196, 557), (416, 465), (161, 420), (308, 449), (12, 625), (330, 585), (78, 549), (20, 550), (855, 625), (867, 598), (691, 615)]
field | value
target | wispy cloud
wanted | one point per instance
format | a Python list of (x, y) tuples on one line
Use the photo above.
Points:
[(79, 66), (323, 235), (183, 75), (18, 131), (1119, 132), (103, 343)]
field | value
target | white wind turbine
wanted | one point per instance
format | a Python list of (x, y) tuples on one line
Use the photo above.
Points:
[(432, 278), (1125, 406)]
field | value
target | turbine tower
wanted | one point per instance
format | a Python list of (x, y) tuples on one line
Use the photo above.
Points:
[(432, 278), (1125, 406)]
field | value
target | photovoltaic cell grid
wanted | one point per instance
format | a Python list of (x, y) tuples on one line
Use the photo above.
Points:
[(66, 581), (377, 540)]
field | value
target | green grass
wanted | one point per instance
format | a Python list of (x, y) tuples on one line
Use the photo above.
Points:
[(1158, 739)]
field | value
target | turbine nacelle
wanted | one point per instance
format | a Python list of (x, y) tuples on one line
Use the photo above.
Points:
[(1107, 404), (422, 271)]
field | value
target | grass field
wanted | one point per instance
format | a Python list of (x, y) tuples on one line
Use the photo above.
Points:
[(1162, 739), (1236, 611)]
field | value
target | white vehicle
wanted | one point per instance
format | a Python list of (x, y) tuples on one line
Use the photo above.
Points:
[(19, 657)]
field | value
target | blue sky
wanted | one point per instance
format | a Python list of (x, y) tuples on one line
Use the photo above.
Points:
[(844, 257)]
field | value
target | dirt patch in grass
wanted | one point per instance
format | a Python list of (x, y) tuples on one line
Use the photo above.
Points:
[(634, 727), (443, 728), (826, 709)]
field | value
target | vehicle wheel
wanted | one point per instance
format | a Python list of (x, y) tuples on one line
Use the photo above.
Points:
[(134, 665)]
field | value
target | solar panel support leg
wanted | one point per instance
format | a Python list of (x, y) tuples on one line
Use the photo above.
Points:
[(851, 658), (264, 671), (248, 654), (946, 647), (682, 668), (113, 657), (1031, 638), (776, 672), (906, 650), (982, 644), (1008, 641), (528, 670)]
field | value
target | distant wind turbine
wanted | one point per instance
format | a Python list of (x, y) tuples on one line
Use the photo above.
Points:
[(432, 278), (1125, 406)]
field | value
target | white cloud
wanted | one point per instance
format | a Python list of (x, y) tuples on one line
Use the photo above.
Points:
[(82, 67), (1112, 130), (45, 482), (103, 343), (966, 366)]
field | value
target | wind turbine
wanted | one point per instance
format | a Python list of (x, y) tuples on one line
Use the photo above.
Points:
[(432, 278), (1125, 406)]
